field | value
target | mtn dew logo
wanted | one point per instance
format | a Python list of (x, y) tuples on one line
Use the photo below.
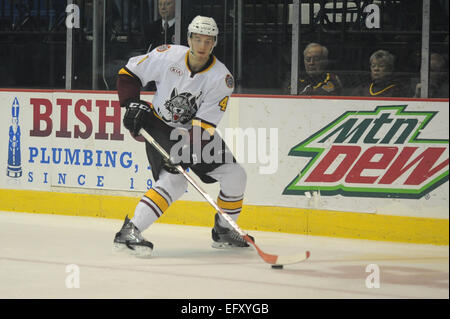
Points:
[(373, 154)]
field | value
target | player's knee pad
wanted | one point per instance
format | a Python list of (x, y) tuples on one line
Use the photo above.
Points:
[(232, 178), (239, 177)]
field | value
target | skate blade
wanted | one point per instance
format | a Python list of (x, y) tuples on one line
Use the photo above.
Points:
[(138, 251), (219, 245)]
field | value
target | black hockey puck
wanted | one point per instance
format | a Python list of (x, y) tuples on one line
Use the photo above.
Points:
[(277, 266)]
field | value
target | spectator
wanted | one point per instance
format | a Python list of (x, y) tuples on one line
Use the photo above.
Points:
[(382, 83), (438, 83), (162, 31), (317, 81)]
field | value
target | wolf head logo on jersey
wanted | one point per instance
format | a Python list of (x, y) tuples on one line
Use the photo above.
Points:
[(182, 106)]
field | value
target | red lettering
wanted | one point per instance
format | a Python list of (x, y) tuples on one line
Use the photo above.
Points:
[(39, 117), (43, 124), (64, 103), (103, 119), (365, 162), (425, 161), (318, 174), (77, 133)]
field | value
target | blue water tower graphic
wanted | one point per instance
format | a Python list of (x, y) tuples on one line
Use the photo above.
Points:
[(14, 168)]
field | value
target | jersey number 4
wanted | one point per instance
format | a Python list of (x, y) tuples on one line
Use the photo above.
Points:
[(223, 104)]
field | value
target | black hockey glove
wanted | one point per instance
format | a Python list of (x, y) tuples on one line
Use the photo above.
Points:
[(170, 167), (136, 115)]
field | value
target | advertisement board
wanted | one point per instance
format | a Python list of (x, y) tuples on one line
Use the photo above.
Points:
[(367, 156)]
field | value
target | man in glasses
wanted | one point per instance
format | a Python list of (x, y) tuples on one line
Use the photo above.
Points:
[(317, 80)]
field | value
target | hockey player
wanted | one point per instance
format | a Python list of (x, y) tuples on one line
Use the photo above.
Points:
[(193, 90)]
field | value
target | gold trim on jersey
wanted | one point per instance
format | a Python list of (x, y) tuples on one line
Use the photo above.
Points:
[(202, 71), (210, 66), (323, 82), (155, 113), (123, 71), (207, 127), (381, 91), (143, 59)]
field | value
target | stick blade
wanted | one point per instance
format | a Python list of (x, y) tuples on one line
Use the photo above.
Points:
[(276, 259), (292, 259)]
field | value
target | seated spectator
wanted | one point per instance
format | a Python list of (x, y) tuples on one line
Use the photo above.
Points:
[(438, 83), (317, 81), (383, 83), (162, 31)]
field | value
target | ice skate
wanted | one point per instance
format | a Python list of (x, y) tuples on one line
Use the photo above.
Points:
[(225, 238), (130, 239)]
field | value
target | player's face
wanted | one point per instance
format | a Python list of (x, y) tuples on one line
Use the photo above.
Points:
[(166, 9), (379, 69), (314, 61), (201, 45)]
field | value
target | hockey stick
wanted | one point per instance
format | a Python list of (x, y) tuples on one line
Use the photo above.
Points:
[(268, 258)]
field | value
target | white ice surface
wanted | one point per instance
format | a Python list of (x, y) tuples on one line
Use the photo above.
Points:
[(36, 249)]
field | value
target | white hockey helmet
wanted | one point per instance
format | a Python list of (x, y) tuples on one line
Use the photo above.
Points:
[(204, 25)]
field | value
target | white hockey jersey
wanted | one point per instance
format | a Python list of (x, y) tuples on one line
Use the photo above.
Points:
[(182, 97)]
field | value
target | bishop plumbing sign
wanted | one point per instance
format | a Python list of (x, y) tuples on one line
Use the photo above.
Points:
[(376, 153)]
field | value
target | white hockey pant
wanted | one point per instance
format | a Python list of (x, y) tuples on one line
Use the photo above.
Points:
[(170, 187)]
